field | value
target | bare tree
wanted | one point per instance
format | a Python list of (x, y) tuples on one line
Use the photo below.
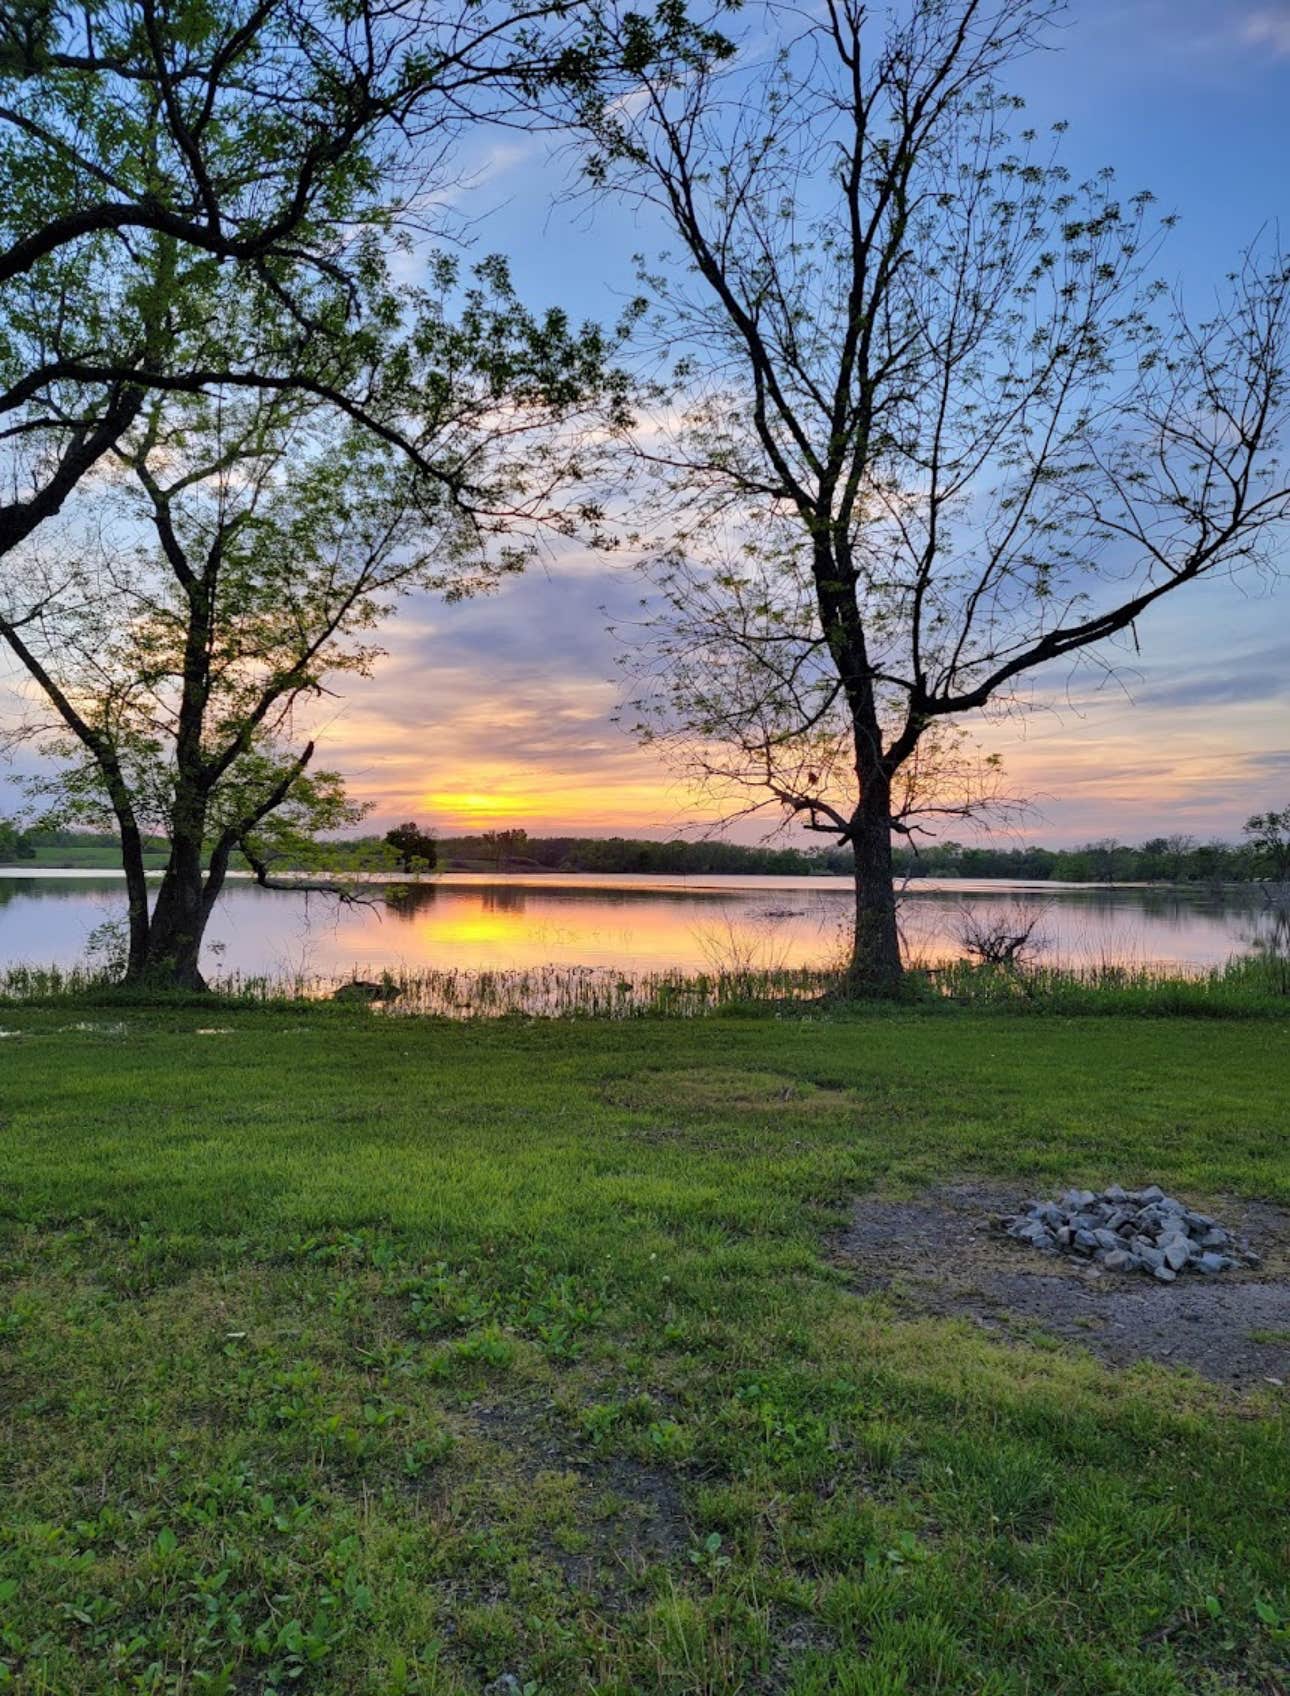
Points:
[(935, 424)]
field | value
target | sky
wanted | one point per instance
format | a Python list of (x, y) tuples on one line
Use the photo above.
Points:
[(499, 712)]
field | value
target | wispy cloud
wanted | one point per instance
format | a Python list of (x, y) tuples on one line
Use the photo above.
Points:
[(1262, 674), (1269, 28)]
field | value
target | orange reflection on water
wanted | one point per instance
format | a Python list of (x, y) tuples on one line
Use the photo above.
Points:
[(472, 921), (518, 926), (635, 924)]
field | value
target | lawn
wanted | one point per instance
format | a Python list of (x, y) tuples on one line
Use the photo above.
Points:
[(346, 1353)]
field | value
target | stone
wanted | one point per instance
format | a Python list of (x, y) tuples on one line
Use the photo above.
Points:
[(1036, 1233), (1127, 1231)]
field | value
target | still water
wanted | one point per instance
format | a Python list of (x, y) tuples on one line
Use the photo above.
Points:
[(629, 924)]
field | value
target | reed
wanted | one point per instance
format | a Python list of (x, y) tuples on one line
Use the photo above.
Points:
[(1249, 985)]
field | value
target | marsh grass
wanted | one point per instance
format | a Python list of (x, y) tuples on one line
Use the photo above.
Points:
[(1254, 985)]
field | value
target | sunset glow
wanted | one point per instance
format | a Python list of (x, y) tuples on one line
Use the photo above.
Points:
[(1191, 738)]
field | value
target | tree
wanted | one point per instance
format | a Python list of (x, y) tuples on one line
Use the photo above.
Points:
[(234, 564), (416, 848), (157, 154), (199, 203), (14, 845), (505, 844), (1164, 858), (1269, 836), (934, 425)]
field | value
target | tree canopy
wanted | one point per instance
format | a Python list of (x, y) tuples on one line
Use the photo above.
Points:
[(232, 564), (156, 153), (416, 848)]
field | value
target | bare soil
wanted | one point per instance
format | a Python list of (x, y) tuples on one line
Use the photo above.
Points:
[(946, 1253)]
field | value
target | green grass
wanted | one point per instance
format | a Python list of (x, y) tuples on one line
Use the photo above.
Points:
[(85, 857), (352, 1354)]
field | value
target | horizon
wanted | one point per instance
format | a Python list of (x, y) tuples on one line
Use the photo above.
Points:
[(1014, 842)]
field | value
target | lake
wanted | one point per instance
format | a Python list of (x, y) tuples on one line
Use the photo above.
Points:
[(624, 923)]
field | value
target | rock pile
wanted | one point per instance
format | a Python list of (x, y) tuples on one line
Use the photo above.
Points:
[(1129, 1231)]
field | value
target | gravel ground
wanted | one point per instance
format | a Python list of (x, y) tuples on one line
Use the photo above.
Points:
[(945, 1253)]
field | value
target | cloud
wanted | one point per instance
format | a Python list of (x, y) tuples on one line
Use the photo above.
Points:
[(501, 711), (1261, 675), (1276, 760), (1268, 28)]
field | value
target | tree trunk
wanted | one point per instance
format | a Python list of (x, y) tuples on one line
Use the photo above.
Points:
[(178, 921), (136, 889), (875, 966)]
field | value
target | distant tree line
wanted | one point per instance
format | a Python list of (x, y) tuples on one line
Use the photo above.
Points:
[(627, 854), (1263, 855), (1161, 859)]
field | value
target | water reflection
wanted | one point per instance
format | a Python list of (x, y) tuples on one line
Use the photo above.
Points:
[(637, 923)]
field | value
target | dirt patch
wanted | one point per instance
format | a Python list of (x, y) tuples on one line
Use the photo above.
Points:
[(945, 1254)]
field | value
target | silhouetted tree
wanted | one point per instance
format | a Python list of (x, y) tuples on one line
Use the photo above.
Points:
[(416, 848), (937, 425), (1269, 835), (157, 153), (505, 844), (14, 845), (245, 551)]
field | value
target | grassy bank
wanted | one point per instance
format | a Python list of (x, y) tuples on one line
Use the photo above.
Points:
[(348, 1354), (1256, 986), (82, 857)]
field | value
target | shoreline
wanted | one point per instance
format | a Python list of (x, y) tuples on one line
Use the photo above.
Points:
[(660, 882)]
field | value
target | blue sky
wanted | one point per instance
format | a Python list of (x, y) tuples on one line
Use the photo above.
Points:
[(499, 711)]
